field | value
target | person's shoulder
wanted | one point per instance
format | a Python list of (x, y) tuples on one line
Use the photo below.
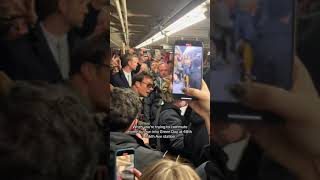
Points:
[(168, 108), (120, 140), (115, 78), (25, 40), (170, 116), (149, 152), (117, 74)]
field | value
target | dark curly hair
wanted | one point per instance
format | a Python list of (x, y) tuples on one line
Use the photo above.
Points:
[(46, 133), (124, 108)]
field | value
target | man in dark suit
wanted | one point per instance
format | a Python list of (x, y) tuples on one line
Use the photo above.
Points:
[(123, 78), (44, 53)]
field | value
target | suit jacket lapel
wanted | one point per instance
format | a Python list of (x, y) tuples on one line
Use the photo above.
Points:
[(42, 50), (123, 78)]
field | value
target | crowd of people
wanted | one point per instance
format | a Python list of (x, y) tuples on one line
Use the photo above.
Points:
[(54, 73), (157, 124), (60, 118)]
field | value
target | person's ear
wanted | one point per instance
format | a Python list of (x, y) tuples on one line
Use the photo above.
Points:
[(87, 71), (137, 84), (130, 62)]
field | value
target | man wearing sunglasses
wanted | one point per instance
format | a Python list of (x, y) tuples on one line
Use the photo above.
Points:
[(142, 84)]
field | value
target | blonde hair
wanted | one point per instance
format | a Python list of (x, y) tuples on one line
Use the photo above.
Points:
[(169, 170), (166, 90)]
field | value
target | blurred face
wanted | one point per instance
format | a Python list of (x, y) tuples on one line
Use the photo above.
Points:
[(16, 17), (144, 68), (154, 67), (145, 87), (163, 70), (133, 63), (75, 11), (187, 62), (18, 28), (131, 51), (98, 90), (102, 24)]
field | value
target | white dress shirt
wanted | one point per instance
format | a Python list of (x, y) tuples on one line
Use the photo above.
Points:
[(59, 47), (128, 77)]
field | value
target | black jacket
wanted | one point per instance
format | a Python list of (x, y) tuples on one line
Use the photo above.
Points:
[(120, 80), (191, 141), (216, 167), (30, 58), (171, 116), (144, 155), (195, 142)]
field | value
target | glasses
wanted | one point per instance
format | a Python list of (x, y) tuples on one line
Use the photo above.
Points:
[(148, 85)]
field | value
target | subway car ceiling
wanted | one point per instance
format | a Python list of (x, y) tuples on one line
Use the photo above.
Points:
[(136, 22)]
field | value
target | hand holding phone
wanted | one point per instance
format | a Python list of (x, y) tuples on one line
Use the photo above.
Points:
[(188, 65), (124, 166)]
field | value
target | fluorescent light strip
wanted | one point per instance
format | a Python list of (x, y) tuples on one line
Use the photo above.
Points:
[(194, 16)]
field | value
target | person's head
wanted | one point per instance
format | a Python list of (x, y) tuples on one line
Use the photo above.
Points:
[(124, 109), (154, 66), (166, 93), (46, 133), (169, 170), (166, 90), (163, 70), (142, 59), (187, 62), (196, 63), (90, 70), (103, 21), (170, 66), (132, 51), (15, 18), (149, 57), (71, 12), (142, 84), (130, 62), (144, 68)]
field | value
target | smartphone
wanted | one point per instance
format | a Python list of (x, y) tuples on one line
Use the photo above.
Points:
[(124, 164), (188, 65), (252, 41)]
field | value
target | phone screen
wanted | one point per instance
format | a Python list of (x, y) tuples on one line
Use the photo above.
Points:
[(253, 41), (187, 71), (125, 165)]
